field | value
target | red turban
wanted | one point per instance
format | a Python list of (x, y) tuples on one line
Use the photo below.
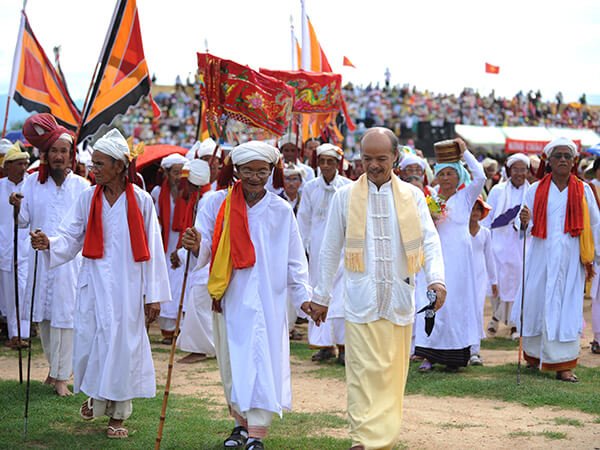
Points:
[(42, 131)]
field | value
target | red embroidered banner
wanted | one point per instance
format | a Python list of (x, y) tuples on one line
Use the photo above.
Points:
[(315, 92), (243, 94)]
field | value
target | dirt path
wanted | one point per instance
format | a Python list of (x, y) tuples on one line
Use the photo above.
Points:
[(429, 423)]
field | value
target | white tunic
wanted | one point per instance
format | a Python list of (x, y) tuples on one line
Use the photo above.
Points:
[(254, 305), (506, 242), (554, 275), (484, 265), (7, 299), (312, 218), (168, 309), (44, 206), (384, 290), (111, 355), (458, 323)]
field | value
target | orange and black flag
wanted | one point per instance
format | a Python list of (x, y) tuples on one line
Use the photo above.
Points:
[(122, 78), (35, 84)]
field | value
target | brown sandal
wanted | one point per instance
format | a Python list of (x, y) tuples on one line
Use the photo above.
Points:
[(569, 378)]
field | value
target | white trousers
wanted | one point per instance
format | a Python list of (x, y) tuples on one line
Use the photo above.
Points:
[(115, 410), (58, 348), (197, 331), (331, 332), (7, 300), (256, 420)]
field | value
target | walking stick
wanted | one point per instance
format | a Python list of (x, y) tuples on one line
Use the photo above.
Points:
[(35, 264), (521, 312), (15, 268), (163, 411)]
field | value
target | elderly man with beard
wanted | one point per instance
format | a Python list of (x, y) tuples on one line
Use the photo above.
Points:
[(506, 199), (45, 199), (384, 226), (251, 238), (123, 276), (561, 213)]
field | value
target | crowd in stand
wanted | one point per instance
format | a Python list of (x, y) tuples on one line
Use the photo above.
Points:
[(398, 108)]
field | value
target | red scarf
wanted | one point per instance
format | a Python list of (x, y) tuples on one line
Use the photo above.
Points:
[(574, 216), (93, 245), (186, 220), (164, 209), (242, 249)]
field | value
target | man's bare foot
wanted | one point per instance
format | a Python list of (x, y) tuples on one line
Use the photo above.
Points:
[(49, 380), (61, 388), (192, 358), (116, 430)]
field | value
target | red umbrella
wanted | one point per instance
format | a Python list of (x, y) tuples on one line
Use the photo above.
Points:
[(154, 153)]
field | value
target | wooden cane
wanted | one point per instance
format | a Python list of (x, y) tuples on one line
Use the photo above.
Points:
[(25, 418), (16, 273), (163, 411), (521, 312)]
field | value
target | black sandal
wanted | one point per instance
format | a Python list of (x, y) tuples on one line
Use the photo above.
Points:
[(595, 347), (255, 445), (237, 438)]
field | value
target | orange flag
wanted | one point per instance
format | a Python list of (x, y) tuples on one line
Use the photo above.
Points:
[(489, 68), (35, 85), (123, 77), (348, 63)]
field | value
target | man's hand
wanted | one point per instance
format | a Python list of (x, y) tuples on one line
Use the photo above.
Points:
[(318, 313), (440, 291), (525, 217), (152, 311), (191, 240), (175, 261), (495, 290), (39, 241), (216, 306), (15, 199)]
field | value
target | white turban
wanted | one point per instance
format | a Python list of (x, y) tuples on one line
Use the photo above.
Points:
[(5, 144), (289, 138), (191, 154), (114, 145), (518, 157), (199, 172), (66, 137), (254, 151), (410, 159), (84, 157), (174, 158), (291, 169), (561, 141), (330, 150), (489, 162), (207, 147)]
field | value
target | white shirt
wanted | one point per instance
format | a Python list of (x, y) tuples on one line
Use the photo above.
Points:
[(384, 290)]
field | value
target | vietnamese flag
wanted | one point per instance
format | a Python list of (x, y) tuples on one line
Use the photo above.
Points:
[(348, 63), (489, 68)]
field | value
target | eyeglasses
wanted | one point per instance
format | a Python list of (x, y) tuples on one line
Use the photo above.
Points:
[(518, 171), (249, 173), (565, 156)]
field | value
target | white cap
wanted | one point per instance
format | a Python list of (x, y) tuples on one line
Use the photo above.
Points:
[(254, 151), (114, 145), (199, 174)]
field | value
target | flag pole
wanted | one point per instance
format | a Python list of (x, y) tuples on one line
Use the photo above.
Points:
[(85, 104), (521, 312), (293, 43), (6, 115), (16, 64)]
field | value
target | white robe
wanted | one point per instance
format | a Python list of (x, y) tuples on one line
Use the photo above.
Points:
[(554, 275), (485, 267), (312, 217), (44, 206), (254, 304), (458, 323), (111, 356), (7, 293), (168, 309), (506, 242)]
